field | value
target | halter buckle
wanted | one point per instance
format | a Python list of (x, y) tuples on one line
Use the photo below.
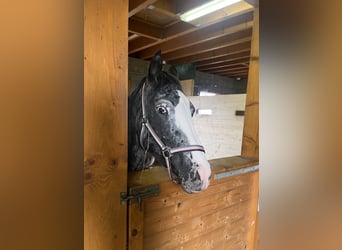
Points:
[(143, 120), (166, 152)]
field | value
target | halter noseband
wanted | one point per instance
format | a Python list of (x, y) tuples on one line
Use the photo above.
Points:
[(167, 152)]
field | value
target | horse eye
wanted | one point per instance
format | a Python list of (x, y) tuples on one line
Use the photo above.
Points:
[(162, 109)]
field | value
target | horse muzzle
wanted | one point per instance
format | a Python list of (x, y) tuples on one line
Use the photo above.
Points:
[(197, 180)]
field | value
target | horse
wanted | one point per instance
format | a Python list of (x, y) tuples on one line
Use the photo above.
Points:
[(160, 128)]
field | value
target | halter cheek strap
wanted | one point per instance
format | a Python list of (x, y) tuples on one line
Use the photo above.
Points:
[(167, 152)]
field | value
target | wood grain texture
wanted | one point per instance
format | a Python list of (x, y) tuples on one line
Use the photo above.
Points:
[(188, 87), (105, 123), (135, 226), (250, 142), (217, 218)]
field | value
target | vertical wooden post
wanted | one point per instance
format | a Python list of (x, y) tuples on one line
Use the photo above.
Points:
[(250, 140), (105, 128)]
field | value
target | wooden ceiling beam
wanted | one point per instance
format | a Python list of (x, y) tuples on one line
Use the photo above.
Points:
[(227, 27), (223, 59), (132, 37), (225, 41), (235, 73), (136, 6), (235, 69), (144, 29), (141, 41), (242, 47), (239, 61), (255, 3), (183, 28)]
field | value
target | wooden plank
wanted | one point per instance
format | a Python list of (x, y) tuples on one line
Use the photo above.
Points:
[(218, 217), (172, 196), (188, 209), (235, 69), (241, 47), (136, 6), (217, 43), (233, 62), (141, 42), (253, 220), (221, 238), (198, 227), (229, 26), (250, 143), (135, 226), (223, 59), (183, 28), (105, 139), (221, 132), (144, 29), (192, 220), (188, 87)]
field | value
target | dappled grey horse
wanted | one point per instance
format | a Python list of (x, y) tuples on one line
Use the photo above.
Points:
[(161, 128)]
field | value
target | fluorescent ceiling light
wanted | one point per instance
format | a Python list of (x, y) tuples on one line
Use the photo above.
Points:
[(206, 9)]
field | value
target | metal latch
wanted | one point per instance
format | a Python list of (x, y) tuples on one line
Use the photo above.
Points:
[(138, 193)]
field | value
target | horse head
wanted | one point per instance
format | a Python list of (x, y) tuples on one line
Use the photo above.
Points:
[(160, 124)]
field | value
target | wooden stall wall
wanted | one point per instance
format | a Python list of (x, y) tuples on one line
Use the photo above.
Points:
[(217, 218), (221, 131), (105, 124)]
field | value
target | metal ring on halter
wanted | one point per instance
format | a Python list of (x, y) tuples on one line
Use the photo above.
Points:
[(167, 152)]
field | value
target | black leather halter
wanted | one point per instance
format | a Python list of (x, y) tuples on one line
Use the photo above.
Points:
[(167, 152)]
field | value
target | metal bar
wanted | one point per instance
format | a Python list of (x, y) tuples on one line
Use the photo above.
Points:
[(236, 172)]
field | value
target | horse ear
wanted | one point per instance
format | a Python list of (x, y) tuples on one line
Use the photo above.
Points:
[(156, 66), (173, 71)]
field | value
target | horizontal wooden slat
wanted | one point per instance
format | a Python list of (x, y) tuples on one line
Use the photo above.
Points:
[(184, 210), (214, 44), (229, 236), (172, 195), (144, 29), (241, 61), (137, 5), (236, 68), (141, 42), (241, 47), (236, 72), (224, 58), (226, 218)]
